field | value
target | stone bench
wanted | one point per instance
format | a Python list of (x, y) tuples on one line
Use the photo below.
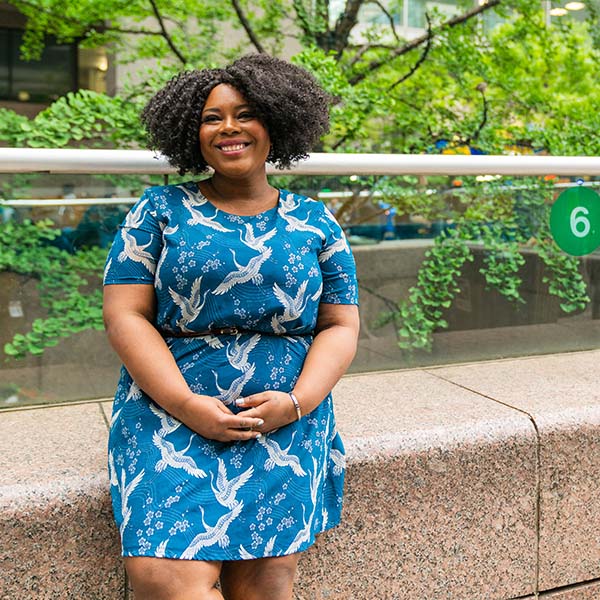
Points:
[(477, 481)]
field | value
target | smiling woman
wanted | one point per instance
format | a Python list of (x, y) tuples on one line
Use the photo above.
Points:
[(232, 305)]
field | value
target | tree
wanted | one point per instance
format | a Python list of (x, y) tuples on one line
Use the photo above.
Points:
[(459, 81), (460, 85)]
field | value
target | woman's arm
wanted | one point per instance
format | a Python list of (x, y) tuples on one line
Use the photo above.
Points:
[(330, 354), (129, 312), (328, 358)]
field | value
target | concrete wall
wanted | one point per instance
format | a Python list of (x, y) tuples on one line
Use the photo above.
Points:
[(482, 325), (470, 482)]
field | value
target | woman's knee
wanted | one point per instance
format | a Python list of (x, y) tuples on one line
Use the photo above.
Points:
[(169, 579), (260, 579)]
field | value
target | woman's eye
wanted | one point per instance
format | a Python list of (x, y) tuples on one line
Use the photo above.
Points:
[(246, 116), (210, 118)]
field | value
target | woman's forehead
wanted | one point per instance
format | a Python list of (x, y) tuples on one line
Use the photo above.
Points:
[(224, 95)]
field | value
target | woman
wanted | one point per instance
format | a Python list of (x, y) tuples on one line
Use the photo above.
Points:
[(233, 307)]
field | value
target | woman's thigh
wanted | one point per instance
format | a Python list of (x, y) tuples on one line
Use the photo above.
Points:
[(170, 579), (260, 578)]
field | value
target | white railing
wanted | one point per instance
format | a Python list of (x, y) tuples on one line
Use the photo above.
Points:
[(46, 160)]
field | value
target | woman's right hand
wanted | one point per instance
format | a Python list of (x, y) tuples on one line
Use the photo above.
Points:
[(210, 418)]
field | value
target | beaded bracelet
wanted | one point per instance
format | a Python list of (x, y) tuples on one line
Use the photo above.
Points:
[(296, 405)]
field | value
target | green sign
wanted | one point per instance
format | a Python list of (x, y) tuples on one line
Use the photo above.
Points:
[(575, 221)]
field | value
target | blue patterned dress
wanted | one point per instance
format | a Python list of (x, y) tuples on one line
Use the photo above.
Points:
[(176, 494)]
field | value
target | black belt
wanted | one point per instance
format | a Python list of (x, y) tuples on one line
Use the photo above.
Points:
[(224, 331)]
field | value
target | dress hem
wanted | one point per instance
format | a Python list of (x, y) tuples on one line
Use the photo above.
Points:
[(224, 556)]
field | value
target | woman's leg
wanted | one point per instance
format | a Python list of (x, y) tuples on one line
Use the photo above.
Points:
[(259, 579), (169, 579)]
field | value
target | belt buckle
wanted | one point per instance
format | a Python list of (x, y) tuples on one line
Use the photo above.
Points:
[(227, 331)]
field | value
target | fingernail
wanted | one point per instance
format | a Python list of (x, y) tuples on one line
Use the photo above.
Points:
[(240, 402), (260, 423), (257, 436)]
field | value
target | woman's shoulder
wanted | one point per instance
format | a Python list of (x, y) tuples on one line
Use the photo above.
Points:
[(300, 203), (307, 206)]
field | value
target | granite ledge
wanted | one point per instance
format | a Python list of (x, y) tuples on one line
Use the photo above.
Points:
[(58, 540), (562, 396), (441, 497)]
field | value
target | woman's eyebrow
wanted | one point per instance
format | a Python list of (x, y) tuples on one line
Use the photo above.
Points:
[(217, 109)]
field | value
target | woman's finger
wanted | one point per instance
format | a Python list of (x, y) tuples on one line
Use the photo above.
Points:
[(235, 435), (254, 400), (244, 422)]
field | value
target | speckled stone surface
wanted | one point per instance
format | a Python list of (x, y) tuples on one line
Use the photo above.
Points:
[(562, 394), (58, 541), (589, 591), (440, 496), (107, 411)]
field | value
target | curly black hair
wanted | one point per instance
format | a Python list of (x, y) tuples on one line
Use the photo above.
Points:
[(287, 99)]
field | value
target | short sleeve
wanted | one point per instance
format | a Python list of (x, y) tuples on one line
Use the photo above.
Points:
[(337, 264), (137, 246)]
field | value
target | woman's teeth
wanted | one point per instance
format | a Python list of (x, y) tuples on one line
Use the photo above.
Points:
[(233, 148)]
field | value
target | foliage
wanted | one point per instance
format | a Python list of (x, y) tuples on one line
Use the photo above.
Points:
[(563, 279), (85, 117), (72, 303), (519, 83), (519, 86), (502, 221), (422, 313), (502, 261)]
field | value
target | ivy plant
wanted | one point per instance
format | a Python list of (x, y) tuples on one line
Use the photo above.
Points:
[(422, 313), (500, 220), (67, 284)]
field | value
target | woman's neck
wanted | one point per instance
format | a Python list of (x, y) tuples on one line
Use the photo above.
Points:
[(240, 196)]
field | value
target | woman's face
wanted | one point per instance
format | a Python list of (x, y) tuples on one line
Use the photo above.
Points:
[(232, 139)]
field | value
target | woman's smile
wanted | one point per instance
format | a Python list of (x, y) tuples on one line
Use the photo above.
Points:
[(232, 147)]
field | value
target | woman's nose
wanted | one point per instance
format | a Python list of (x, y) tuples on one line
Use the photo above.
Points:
[(230, 123)]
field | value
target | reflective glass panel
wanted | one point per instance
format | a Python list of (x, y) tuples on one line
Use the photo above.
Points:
[(450, 269), (418, 8)]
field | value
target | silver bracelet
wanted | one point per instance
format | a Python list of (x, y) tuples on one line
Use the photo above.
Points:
[(296, 405)]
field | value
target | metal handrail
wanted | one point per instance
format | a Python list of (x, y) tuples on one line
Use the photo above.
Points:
[(338, 195), (50, 160), (46, 202)]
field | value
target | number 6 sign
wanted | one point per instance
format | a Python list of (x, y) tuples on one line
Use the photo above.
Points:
[(575, 221)]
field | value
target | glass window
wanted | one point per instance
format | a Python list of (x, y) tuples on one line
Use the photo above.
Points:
[(372, 13), (506, 291), (41, 80), (418, 8)]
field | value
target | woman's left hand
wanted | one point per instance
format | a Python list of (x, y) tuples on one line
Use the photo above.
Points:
[(276, 409)]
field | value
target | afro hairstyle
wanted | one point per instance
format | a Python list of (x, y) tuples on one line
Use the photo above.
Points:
[(287, 99)]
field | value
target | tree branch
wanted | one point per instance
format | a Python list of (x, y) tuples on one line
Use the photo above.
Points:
[(247, 27), (344, 25), (421, 58), (127, 31), (98, 26), (165, 33), (402, 79), (388, 15), (481, 89), (376, 64), (364, 49)]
